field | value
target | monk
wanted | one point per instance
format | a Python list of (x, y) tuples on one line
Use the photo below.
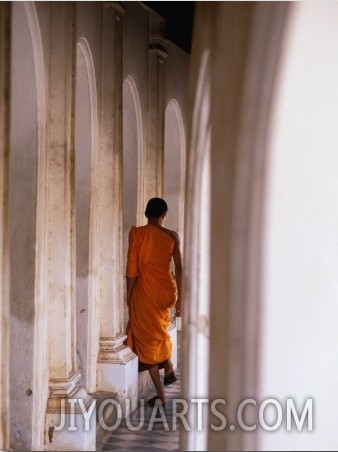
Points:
[(152, 291)]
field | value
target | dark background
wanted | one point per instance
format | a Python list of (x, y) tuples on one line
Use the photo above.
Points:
[(179, 21)]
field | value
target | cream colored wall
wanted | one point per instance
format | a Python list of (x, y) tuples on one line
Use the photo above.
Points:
[(135, 49), (69, 61), (299, 323), (22, 224), (175, 89), (264, 99), (174, 166), (175, 136), (5, 26), (135, 76), (82, 191), (236, 48), (133, 162), (177, 79)]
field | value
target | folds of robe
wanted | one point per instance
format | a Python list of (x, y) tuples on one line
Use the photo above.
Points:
[(153, 295)]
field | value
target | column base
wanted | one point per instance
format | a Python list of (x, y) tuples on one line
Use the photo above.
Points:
[(117, 372), (70, 417)]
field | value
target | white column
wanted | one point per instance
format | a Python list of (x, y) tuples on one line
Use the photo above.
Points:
[(4, 236), (117, 365), (300, 284), (245, 52), (63, 376), (154, 154), (233, 69)]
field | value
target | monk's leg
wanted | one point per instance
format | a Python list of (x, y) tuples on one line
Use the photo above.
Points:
[(169, 375), (168, 367), (155, 376)]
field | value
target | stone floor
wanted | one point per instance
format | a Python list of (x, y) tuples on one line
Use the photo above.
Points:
[(149, 429)]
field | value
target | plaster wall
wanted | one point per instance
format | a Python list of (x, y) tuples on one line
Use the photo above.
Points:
[(5, 25), (299, 324), (177, 79), (135, 49), (175, 136), (65, 188), (89, 36), (135, 67), (131, 162), (174, 167), (22, 223), (135, 91), (236, 48), (89, 26), (83, 150)]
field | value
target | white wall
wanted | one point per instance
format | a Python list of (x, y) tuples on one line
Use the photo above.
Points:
[(82, 207), (299, 325), (22, 222), (4, 233), (135, 49), (175, 136), (47, 119), (174, 166), (132, 160), (131, 183), (177, 78)]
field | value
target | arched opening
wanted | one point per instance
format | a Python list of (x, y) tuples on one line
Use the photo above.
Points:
[(174, 167), (133, 198), (130, 163), (87, 248), (174, 191)]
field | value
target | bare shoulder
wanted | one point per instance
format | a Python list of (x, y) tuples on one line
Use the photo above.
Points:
[(172, 234)]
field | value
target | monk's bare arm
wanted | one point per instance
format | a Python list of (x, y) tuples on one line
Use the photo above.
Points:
[(130, 285)]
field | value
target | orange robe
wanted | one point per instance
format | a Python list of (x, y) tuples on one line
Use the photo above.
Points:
[(153, 295)]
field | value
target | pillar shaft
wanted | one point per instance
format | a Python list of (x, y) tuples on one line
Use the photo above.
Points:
[(60, 195), (63, 375), (236, 49), (111, 325), (117, 364), (4, 234), (155, 120)]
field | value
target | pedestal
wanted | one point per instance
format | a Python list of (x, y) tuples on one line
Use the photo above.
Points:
[(117, 372), (70, 418)]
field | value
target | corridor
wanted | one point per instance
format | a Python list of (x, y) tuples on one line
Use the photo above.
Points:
[(156, 428), (99, 112)]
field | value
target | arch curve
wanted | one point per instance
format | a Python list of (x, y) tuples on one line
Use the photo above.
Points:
[(129, 83), (87, 115), (174, 164)]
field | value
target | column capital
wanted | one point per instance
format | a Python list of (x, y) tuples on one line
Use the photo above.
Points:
[(157, 48), (119, 10), (157, 42)]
